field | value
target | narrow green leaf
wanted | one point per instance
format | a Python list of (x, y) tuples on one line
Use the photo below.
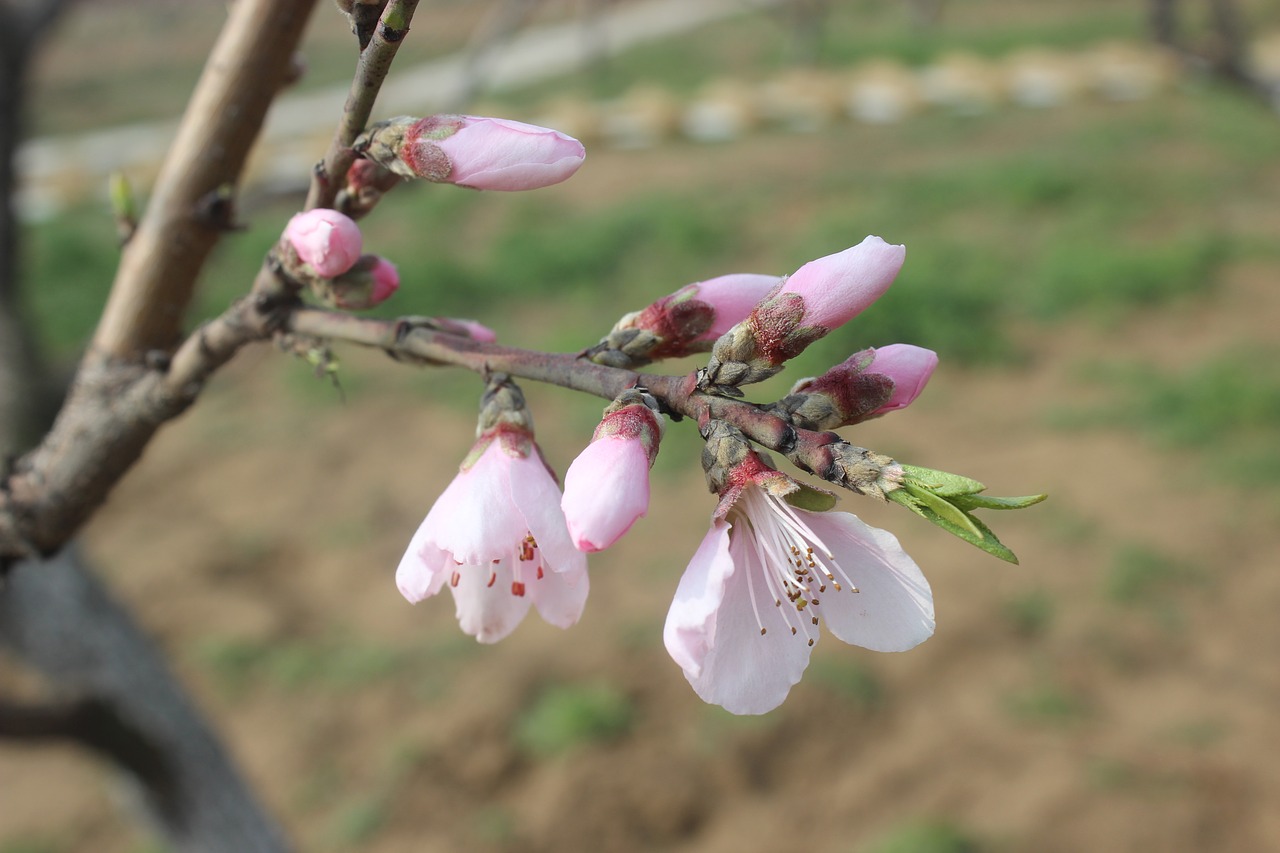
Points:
[(975, 532), (968, 502), (941, 508)]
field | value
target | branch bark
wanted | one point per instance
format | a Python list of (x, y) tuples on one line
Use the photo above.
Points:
[(191, 204)]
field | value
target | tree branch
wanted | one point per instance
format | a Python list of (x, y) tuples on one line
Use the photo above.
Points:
[(190, 206)]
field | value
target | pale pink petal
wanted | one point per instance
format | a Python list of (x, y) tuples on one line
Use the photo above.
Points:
[(691, 622), (561, 596), (733, 296), (840, 286), (423, 568), (475, 519), (908, 366), (488, 611), (386, 281), (500, 154), (893, 609), (744, 671), (536, 494), (605, 490)]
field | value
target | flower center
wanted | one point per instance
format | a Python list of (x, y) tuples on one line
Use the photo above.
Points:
[(526, 552), (796, 565)]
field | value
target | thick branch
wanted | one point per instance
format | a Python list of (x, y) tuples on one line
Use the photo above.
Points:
[(375, 62), (190, 204)]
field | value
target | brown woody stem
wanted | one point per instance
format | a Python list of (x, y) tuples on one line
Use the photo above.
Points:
[(190, 207)]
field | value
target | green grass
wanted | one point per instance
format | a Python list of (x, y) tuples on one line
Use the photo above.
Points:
[(1030, 614), (564, 717), (1140, 575), (926, 836), (1226, 409), (336, 664)]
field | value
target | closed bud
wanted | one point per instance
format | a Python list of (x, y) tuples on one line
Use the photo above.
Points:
[(473, 151), (372, 281), (325, 240), (866, 385), (684, 323), (817, 298)]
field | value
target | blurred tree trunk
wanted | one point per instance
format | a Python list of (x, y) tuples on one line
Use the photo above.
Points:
[(1222, 54), (110, 689)]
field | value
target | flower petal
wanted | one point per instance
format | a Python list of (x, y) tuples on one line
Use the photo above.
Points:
[(561, 596), (893, 609), (536, 494), (421, 572), (475, 519), (744, 671), (488, 611), (691, 622)]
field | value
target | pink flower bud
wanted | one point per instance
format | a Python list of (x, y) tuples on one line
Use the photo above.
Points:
[(476, 331), (326, 240), (732, 297), (491, 153), (838, 287), (606, 489), (908, 366), (386, 281)]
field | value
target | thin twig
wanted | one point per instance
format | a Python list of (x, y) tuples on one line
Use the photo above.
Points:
[(375, 62)]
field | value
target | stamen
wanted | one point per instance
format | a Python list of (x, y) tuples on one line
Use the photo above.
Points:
[(517, 588), (539, 572), (455, 579), (493, 576)]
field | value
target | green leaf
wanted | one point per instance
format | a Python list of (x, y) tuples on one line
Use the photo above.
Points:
[(940, 482), (968, 502), (941, 508), (973, 531)]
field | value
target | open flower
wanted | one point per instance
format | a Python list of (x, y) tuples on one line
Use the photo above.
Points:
[(497, 538), (748, 608)]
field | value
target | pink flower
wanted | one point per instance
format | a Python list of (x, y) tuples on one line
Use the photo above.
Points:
[(471, 328), (747, 610), (371, 281), (838, 287), (326, 240), (908, 366), (490, 153), (606, 489), (497, 537)]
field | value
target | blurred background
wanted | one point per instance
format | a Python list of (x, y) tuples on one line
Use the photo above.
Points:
[(1090, 225)]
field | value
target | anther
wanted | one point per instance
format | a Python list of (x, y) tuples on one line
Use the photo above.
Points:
[(763, 631), (517, 588), (539, 572), (493, 576), (793, 630), (455, 579), (810, 642)]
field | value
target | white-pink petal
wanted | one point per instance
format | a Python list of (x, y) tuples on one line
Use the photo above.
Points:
[(326, 240), (893, 608), (691, 622)]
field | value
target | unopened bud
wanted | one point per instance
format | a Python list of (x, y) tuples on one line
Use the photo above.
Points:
[(371, 281), (817, 298), (866, 385), (683, 323), (325, 240), (473, 151), (367, 182)]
